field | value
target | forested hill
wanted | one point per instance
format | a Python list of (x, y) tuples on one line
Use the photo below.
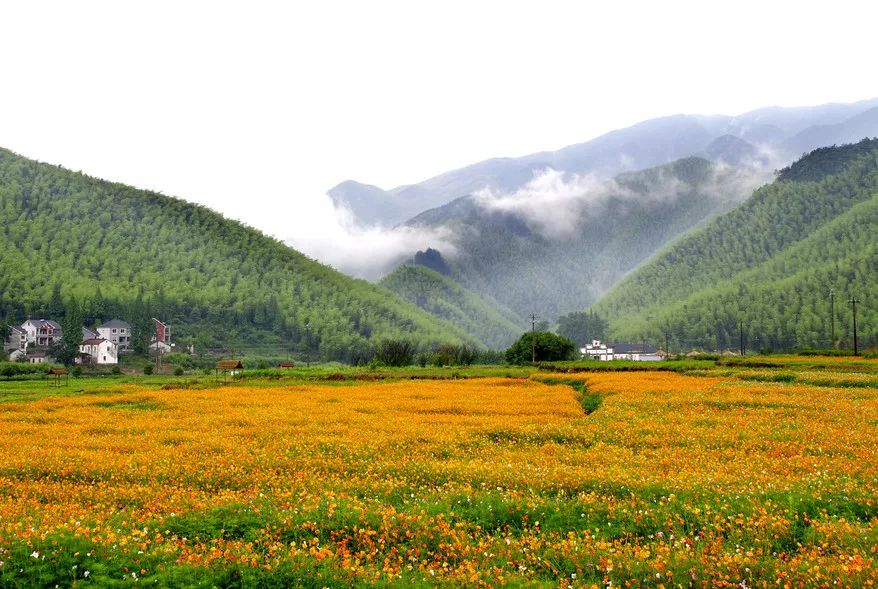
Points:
[(494, 325), (769, 263), (71, 241), (554, 256)]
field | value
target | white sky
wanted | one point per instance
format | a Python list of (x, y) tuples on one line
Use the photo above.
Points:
[(256, 108)]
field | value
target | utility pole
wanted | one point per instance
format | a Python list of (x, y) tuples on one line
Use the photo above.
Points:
[(667, 346), (308, 342), (853, 303), (832, 313), (533, 336), (741, 333)]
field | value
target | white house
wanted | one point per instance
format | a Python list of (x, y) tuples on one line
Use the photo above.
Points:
[(116, 331), (41, 332), (97, 351), (597, 350)]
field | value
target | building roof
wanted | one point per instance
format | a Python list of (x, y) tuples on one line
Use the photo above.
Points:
[(229, 364), (160, 321), (633, 348), (43, 322), (17, 328), (115, 323), (36, 354), (94, 341), (88, 333)]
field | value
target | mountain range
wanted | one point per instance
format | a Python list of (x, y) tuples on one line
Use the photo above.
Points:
[(773, 136)]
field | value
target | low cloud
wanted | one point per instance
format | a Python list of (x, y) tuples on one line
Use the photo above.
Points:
[(336, 239), (555, 203)]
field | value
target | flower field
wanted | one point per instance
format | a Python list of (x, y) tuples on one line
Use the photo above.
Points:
[(669, 481)]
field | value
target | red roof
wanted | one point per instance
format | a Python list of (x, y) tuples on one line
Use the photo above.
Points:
[(92, 341)]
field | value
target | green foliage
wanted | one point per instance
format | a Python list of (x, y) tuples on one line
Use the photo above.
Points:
[(116, 251), (76, 371), (563, 264), (147, 370), (582, 327), (454, 355), (395, 352), (548, 347), (12, 369), (769, 263), (490, 322)]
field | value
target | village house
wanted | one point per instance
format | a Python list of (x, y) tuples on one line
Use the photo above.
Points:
[(161, 337), (16, 341), (97, 351), (88, 333), (37, 357), (598, 350), (41, 332), (118, 332)]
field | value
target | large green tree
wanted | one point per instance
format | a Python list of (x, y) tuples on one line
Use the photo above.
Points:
[(548, 346)]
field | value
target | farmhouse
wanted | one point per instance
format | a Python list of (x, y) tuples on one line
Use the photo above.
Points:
[(41, 332), (17, 340), (161, 337), (118, 332), (37, 357), (598, 350), (97, 351)]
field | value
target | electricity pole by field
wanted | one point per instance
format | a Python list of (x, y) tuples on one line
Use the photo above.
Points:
[(853, 303), (832, 313), (533, 337), (741, 333)]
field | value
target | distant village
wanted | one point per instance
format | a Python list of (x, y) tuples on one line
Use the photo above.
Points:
[(32, 341)]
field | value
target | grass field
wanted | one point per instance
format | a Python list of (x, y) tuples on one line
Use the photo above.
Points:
[(758, 473)]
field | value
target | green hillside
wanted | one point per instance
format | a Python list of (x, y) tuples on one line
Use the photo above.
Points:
[(769, 263), (116, 251), (494, 325), (504, 255)]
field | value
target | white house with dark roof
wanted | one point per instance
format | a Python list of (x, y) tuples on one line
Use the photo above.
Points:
[(118, 332), (97, 351), (41, 332)]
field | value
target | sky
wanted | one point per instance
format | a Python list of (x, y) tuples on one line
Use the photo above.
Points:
[(255, 109)]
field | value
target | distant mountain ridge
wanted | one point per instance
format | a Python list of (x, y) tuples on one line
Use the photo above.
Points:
[(772, 135)]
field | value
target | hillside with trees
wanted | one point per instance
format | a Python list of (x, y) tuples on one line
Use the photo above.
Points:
[(492, 324), (769, 264), (79, 246), (554, 259)]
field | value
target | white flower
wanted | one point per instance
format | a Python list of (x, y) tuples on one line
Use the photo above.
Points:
[(35, 554), (86, 573)]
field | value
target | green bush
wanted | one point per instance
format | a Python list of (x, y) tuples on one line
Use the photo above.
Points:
[(395, 352), (115, 369), (9, 369), (76, 371), (147, 369), (178, 371), (548, 347)]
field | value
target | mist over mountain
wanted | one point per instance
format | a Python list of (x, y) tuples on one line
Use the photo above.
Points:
[(561, 240), (772, 136)]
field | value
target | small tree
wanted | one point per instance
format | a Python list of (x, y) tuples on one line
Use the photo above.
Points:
[(548, 346), (393, 352)]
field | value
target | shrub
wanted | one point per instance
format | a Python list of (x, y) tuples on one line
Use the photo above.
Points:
[(76, 371), (115, 369), (548, 346), (392, 352), (147, 370), (178, 371)]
